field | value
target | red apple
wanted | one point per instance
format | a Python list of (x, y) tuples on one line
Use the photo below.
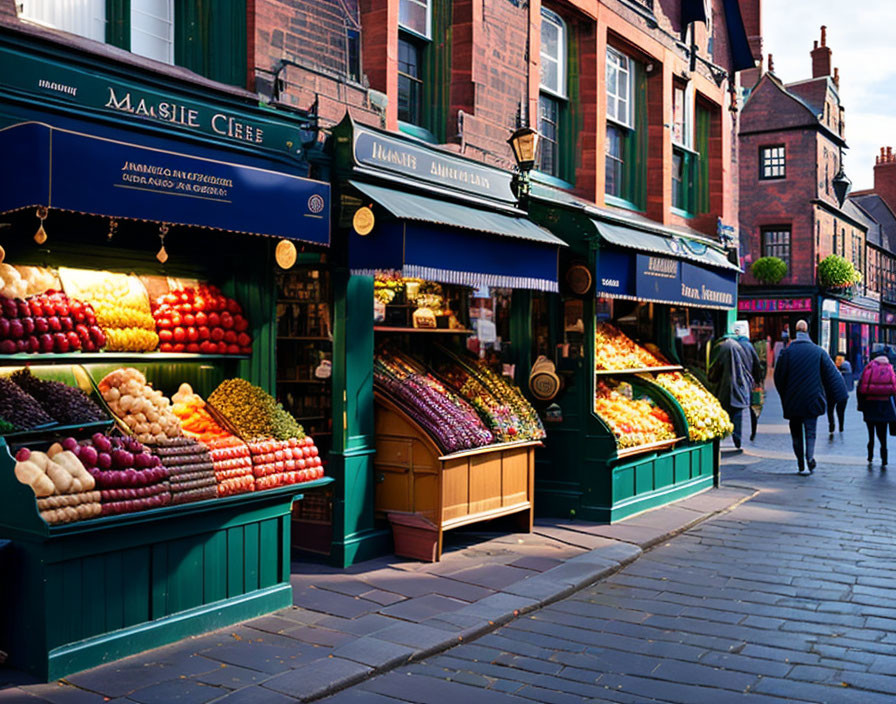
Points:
[(88, 345), (23, 308), (240, 323), (16, 330), (233, 349), (203, 332), (217, 334), (165, 336), (222, 348), (178, 347), (27, 325), (230, 337), (193, 347), (243, 340), (189, 319), (60, 342), (207, 347), (33, 344), (201, 318), (166, 347), (192, 334), (4, 328), (97, 335), (74, 342), (180, 335), (214, 320), (245, 350), (226, 321), (8, 347), (46, 342), (54, 324), (22, 345)]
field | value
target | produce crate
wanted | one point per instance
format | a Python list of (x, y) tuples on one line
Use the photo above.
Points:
[(413, 476)]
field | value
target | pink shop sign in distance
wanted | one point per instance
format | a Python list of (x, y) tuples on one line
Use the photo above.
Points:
[(774, 305)]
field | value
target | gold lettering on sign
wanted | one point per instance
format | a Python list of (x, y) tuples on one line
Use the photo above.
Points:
[(163, 179), (393, 156)]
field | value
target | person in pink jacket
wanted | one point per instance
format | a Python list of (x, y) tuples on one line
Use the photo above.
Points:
[(877, 387)]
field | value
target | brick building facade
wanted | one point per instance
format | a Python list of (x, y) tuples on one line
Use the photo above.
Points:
[(479, 69)]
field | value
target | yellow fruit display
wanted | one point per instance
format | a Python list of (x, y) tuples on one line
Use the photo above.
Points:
[(706, 417), (634, 422), (613, 350)]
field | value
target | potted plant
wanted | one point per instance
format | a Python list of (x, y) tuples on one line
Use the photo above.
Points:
[(835, 271), (769, 270)]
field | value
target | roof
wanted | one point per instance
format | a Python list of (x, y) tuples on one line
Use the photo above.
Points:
[(877, 209), (873, 231)]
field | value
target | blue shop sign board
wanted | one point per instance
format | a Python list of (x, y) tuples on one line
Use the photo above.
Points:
[(88, 173), (664, 280)]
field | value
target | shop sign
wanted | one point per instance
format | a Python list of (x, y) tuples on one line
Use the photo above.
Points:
[(90, 174), (657, 278), (614, 274), (859, 315), (363, 221), (829, 308), (708, 286), (389, 153), (139, 103), (774, 305)]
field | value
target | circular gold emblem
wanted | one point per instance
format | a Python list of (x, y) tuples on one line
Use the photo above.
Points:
[(363, 221), (285, 254)]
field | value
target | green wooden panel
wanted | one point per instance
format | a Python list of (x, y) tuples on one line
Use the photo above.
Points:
[(268, 553), (159, 581), (72, 623), (250, 556), (135, 585), (285, 558), (703, 120), (95, 592), (235, 568), (682, 467), (663, 471), (214, 567), (571, 117), (57, 605), (624, 482), (118, 23), (185, 569), (644, 477), (437, 72)]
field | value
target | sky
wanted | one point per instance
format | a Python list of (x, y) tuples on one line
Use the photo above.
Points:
[(861, 37)]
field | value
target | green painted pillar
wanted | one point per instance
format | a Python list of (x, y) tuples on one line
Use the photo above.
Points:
[(521, 335), (355, 536)]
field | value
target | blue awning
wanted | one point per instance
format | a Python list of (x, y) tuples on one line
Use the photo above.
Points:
[(454, 243), (81, 171)]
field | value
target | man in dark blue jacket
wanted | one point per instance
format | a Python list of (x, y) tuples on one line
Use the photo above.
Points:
[(806, 379)]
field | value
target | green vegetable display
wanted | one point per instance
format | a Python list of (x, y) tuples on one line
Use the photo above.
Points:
[(254, 414)]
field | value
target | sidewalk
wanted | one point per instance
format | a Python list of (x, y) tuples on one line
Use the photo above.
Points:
[(350, 624)]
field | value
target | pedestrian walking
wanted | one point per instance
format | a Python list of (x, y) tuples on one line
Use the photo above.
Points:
[(806, 379), (877, 387), (730, 370), (757, 372), (846, 372)]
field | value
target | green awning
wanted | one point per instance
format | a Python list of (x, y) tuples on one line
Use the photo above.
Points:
[(411, 206), (620, 235)]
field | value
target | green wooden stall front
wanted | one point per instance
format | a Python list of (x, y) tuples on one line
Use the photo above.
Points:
[(579, 471)]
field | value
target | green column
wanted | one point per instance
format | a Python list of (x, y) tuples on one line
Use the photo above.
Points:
[(521, 335), (355, 537)]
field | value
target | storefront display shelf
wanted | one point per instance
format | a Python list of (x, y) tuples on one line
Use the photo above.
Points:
[(113, 357), (303, 381), (305, 338), (649, 447), (641, 370), (449, 331), (491, 448)]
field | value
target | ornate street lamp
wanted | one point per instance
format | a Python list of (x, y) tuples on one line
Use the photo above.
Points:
[(841, 183), (524, 143)]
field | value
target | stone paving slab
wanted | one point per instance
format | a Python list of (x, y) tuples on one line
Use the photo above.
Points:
[(347, 625)]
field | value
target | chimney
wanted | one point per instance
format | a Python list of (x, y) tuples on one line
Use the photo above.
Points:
[(771, 64), (885, 176), (821, 56), (837, 77)]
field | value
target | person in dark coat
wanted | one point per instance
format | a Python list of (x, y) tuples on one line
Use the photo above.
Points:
[(729, 370), (846, 371), (877, 386), (806, 378), (757, 371)]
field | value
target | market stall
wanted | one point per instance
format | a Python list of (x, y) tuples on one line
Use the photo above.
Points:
[(630, 423), (147, 472), (435, 249)]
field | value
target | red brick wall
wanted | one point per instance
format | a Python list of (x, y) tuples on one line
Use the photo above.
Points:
[(885, 178)]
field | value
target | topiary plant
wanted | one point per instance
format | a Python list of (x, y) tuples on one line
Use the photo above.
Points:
[(769, 270), (835, 271)]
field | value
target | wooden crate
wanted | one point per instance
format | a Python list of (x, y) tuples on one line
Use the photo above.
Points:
[(413, 476)]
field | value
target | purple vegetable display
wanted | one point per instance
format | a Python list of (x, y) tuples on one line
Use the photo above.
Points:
[(19, 408), (66, 404)]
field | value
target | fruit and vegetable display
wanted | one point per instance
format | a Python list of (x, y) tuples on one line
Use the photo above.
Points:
[(705, 415), (19, 409), (48, 322), (253, 413), (64, 488), (233, 465), (201, 319), (613, 350), (502, 407), (121, 305), (191, 472), (129, 476), (65, 404), (633, 421), (447, 418), (281, 462), (195, 420), (144, 410)]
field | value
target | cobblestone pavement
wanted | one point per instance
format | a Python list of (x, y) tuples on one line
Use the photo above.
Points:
[(786, 598)]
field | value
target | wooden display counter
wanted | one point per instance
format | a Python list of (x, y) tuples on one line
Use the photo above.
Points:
[(413, 476)]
